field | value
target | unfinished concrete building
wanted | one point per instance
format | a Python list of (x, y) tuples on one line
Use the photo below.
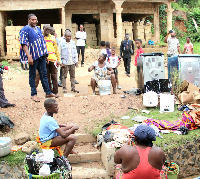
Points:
[(105, 20)]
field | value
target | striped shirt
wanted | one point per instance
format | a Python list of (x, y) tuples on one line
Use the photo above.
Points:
[(52, 49), (33, 38)]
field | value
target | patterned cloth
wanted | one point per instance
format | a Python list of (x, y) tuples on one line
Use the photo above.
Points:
[(34, 39), (101, 73), (173, 44), (52, 48), (186, 121)]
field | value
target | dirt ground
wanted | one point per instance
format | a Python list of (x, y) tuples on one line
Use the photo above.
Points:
[(83, 109)]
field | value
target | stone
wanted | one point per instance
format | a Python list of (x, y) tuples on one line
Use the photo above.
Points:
[(174, 151), (8, 175), (21, 138), (191, 163), (189, 146), (2, 171), (182, 162), (178, 156), (194, 159), (192, 153), (196, 150), (7, 168), (171, 157), (19, 175), (15, 169), (183, 154), (2, 163), (179, 150)]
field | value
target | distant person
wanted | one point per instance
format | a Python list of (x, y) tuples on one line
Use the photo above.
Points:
[(173, 44), (53, 33), (3, 101), (31, 39), (108, 49), (103, 47), (188, 47), (69, 59), (142, 161), (53, 134), (139, 76), (102, 71), (126, 50), (114, 62), (81, 37), (53, 59)]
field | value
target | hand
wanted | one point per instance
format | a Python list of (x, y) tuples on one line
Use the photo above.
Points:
[(77, 65), (47, 59), (61, 65), (30, 60), (108, 72), (62, 125), (75, 127)]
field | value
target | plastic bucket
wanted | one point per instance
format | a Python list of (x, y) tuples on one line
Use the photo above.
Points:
[(173, 174), (104, 87), (5, 146)]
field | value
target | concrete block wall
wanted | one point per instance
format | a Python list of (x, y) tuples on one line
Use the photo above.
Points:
[(90, 29), (128, 28), (74, 30), (58, 28), (12, 40)]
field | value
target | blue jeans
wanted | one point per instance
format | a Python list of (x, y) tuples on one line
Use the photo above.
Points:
[(40, 65), (172, 65)]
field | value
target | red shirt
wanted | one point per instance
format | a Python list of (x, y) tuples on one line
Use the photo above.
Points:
[(138, 52)]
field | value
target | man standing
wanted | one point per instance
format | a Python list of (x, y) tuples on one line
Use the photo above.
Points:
[(69, 59), (81, 37), (53, 59), (173, 51), (173, 44), (33, 49), (127, 48)]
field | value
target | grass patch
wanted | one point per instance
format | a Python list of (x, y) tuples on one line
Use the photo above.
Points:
[(14, 158), (169, 141)]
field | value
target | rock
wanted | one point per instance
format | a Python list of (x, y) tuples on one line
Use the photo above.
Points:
[(15, 169), (7, 175), (21, 138), (2, 171)]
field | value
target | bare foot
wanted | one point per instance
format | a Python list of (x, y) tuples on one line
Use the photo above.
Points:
[(74, 152)]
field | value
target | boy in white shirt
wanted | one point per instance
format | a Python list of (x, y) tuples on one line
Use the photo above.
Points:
[(114, 62)]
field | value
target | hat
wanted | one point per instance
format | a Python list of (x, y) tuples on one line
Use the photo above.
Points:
[(145, 133)]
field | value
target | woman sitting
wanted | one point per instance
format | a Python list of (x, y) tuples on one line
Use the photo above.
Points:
[(143, 160), (102, 71)]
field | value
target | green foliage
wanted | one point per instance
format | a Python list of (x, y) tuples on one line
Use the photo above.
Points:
[(163, 19), (5, 63), (14, 158)]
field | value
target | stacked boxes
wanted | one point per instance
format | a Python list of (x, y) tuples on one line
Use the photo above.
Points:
[(128, 28), (138, 30), (90, 29), (12, 40)]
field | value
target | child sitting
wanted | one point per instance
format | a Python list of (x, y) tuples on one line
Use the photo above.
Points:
[(139, 75), (53, 135), (188, 47), (114, 62), (102, 71)]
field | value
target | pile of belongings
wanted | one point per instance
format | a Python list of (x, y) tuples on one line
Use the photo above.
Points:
[(5, 121), (45, 164), (195, 113), (115, 134)]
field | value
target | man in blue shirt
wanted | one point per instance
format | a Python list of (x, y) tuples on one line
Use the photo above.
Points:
[(33, 49)]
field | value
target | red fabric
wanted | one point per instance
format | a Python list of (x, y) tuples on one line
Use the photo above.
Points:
[(138, 52), (144, 169), (119, 126)]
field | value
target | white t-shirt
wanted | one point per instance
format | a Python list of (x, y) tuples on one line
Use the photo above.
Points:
[(113, 61), (81, 38)]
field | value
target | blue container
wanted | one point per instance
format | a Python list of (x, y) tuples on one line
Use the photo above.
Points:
[(172, 65)]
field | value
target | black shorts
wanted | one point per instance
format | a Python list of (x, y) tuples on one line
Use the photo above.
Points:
[(115, 71)]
